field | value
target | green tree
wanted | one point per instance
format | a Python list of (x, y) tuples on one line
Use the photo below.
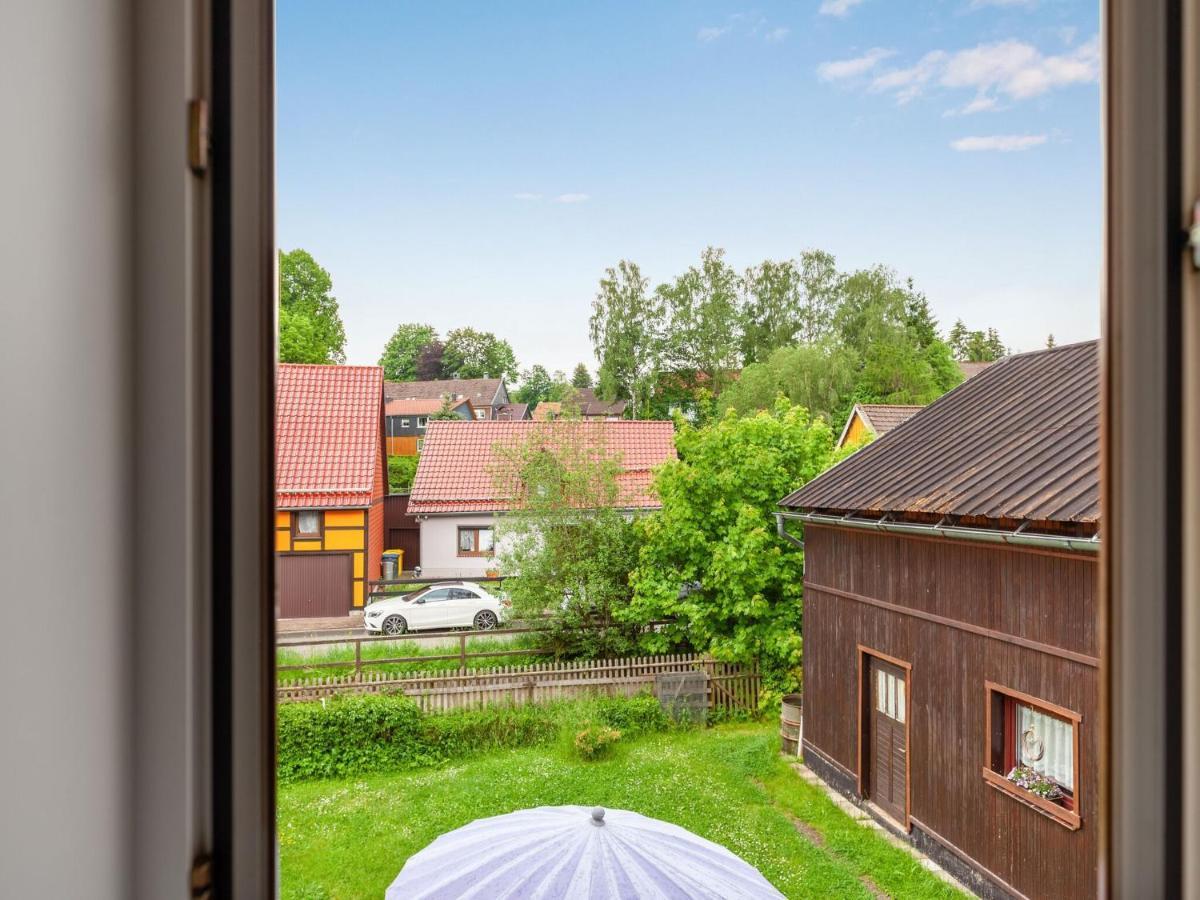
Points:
[(446, 412), (478, 354), (889, 327), (401, 471), (788, 302), (711, 556), (535, 386), (400, 354), (571, 550), (625, 329), (1050, 343), (702, 325), (975, 346), (820, 377), (581, 377), (310, 328)]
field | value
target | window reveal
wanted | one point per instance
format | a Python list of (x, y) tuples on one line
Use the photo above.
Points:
[(475, 541)]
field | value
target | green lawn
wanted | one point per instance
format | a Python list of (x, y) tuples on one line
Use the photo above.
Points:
[(348, 839)]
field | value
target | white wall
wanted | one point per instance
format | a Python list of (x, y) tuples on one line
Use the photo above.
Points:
[(66, 246), (439, 547)]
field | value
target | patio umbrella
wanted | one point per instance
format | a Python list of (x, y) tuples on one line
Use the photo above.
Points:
[(579, 853)]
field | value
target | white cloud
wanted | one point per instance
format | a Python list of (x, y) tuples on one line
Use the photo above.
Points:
[(982, 103), (1002, 143), (525, 195), (1013, 69), (908, 83), (775, 35), (572, 198), (837, 8), (710, 34), (1020, 70), (852, 68)]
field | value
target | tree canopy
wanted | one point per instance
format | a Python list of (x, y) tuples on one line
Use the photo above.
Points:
[(310, 327), (403, 349), (478, 354), (711, 556), (976, 346), (581, 378), (625, 328)]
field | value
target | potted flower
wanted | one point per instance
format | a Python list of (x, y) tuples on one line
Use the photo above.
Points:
[(493, 568), (1036, 783)]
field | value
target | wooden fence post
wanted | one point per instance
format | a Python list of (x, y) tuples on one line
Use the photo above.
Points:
[(358, 659), (462, 652)]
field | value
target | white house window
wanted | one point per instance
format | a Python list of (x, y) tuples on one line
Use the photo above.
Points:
[(1033, 752), (475, 541), (420, 444), (480, 413), (422, 421), (306, 523), (404, 423)]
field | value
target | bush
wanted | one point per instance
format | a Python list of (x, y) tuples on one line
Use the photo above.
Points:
[(354, 735), (595, 742), (348, 736), (633, 716)]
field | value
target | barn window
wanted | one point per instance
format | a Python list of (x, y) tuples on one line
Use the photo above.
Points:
[(306, 523), (475, 541), (1033, 752)]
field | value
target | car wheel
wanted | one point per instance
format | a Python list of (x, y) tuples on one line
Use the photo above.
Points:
[(394, 625), (485, 620)]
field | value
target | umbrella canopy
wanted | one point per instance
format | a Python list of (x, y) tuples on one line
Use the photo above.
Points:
[(580, 853)]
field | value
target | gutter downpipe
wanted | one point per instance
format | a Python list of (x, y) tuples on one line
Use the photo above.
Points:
[(781, 530), (986, 535)]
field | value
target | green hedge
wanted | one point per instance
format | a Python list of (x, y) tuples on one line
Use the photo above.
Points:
[(355, 735)]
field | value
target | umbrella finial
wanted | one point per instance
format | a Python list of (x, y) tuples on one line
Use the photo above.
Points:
[(598, 815)]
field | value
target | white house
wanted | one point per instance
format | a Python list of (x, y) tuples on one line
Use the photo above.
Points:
[(456, 494)]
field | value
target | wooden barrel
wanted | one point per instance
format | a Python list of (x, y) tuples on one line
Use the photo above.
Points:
[(791, 727)]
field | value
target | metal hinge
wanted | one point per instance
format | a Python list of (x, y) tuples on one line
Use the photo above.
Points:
[(198, 137), (201, 880)]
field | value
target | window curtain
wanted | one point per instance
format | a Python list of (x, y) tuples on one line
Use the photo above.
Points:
[(1045, 743)]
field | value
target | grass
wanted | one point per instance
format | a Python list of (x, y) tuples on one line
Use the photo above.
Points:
[(393, 649), (349, 839)]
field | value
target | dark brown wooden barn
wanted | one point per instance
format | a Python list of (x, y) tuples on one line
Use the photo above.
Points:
[(951, 654)]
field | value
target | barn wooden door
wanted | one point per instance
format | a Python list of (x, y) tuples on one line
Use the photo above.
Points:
[(887, 750)]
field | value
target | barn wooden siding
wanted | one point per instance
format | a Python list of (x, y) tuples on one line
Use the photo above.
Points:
[(1024, 618)]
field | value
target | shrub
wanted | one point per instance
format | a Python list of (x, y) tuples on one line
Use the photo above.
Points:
[(595, 741), (633, 716), (353, 735), (348, 736)]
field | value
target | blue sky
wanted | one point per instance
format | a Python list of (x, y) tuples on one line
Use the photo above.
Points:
[(482, 163)]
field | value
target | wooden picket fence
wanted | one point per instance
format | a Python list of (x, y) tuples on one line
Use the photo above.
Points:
[(731, 686)]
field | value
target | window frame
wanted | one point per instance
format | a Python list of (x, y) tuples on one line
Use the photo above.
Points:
[(422, 421), (298, 535), (405, 423), (420, 444), (475, 541), (1006, 698)]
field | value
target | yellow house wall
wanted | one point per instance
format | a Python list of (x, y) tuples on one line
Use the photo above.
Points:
[(857, 432), (344, 529)]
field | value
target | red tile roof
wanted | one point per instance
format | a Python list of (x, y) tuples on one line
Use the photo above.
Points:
[(457, 471), (328, 431)]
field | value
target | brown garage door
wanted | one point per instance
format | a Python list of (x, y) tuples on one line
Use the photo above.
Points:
[(314, 584)]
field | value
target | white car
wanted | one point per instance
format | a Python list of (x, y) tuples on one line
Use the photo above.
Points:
[(448, 604)]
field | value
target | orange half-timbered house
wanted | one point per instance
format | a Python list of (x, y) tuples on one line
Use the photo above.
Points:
[(330, 465)]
